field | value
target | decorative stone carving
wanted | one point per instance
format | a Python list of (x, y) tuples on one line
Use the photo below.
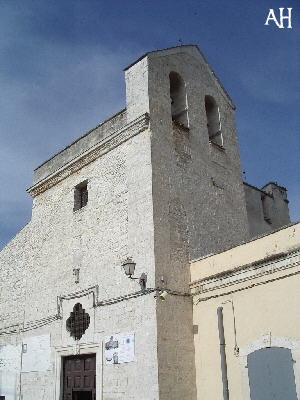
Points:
[(78, 322)]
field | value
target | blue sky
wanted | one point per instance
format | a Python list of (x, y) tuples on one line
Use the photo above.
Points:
[(61, 74)]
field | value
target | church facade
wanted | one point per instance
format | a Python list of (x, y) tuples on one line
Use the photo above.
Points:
[(117, 217)]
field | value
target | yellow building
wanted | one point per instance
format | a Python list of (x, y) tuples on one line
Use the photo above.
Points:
[(247, 319)]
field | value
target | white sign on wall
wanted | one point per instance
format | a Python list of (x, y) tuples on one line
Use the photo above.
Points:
[(119, 348), (10, 362), (36, 354)]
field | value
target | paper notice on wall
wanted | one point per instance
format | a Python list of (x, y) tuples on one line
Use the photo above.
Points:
[(119, 348)]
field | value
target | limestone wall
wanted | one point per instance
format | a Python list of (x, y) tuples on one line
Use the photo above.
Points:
[(79, 146), (117, 222), (198, 202), (267, 208)]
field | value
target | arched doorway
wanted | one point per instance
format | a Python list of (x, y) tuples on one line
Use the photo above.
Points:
[(271, 374)]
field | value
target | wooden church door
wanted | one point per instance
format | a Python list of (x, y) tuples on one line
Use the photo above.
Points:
[(79, 377)]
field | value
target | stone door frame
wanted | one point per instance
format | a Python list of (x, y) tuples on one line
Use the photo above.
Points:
[(86, 348)]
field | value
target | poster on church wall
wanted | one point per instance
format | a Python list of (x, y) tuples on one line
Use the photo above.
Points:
[(119, 348)]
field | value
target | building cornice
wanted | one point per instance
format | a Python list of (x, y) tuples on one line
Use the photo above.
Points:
[(246, 272), (109, 143)]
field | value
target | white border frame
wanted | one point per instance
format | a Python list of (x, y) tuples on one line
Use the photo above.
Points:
[(85, 348)]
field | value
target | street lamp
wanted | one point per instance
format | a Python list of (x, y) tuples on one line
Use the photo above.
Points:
[(129, 268)]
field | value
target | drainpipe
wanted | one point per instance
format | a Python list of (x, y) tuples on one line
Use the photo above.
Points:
[(223, 353)]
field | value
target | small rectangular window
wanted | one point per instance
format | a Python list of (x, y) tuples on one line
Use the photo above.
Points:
[(265, 209), (80, 196)]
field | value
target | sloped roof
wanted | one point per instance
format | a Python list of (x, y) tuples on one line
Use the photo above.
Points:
[(180, 49)]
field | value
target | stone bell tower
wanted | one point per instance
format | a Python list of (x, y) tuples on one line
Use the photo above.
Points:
[(198, 195)]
